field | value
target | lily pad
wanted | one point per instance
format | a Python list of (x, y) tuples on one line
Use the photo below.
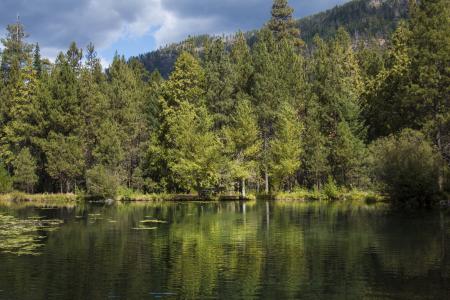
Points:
[(154, 221), (145, 228)]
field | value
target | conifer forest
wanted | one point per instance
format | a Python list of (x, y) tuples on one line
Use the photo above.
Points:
[(274, 114)]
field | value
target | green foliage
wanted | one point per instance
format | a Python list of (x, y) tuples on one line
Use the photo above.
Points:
[(243, 142), (330, 189), (249, 110), (194, 155), (286, 147), (219, 82), (102, 182), (408, 168), (65, 160), (6, 182), (186, 82), (282, 24), (25, 177)]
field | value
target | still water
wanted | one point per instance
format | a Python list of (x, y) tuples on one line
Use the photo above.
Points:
[(233, 250)]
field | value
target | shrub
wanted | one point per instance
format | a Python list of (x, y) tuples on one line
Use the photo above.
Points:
[(407, 166), (330, 189), (101, 182)]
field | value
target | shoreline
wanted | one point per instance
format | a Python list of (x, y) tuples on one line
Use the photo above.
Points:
[(301, 196)]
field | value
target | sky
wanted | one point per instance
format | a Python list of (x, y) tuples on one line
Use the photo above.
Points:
[(132, 27)]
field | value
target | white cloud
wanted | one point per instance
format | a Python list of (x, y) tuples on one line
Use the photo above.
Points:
[(56, 23)]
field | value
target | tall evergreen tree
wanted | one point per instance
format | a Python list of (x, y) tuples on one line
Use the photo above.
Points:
[(387, 107), (282, 23), (194, 152), (266, 94), (219, 82), (430, 61), (37, 61), (16, 51), (23, 115), (65, 160), (186, 83), (94, 103), (286, 147), (337, 84), (25, 177), (243, 142), (127, 100), (241, 59)]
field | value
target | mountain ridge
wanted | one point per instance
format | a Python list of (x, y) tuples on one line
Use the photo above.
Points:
[(363, 19)]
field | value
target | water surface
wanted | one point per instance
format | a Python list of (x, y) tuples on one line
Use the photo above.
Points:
[(232, 250)]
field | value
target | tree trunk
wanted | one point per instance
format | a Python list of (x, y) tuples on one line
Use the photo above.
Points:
[(266, 172), (243, 188), (266, 181), (440, 169)]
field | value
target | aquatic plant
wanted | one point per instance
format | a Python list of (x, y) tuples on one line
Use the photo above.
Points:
[(24, 236)]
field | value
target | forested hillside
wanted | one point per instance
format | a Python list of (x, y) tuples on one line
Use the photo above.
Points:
[(363, 20), (270, 116)]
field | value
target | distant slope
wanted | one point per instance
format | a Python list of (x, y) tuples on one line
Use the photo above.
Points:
[(363, 19)]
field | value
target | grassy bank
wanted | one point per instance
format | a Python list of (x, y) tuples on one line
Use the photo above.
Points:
[(311, 195), (19, 196), (129, 196), (42, 200)]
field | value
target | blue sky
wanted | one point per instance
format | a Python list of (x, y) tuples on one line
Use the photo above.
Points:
[(131, 27)]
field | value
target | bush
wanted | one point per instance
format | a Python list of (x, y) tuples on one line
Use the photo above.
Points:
[(102, 183), (330, 189), (407, 166)]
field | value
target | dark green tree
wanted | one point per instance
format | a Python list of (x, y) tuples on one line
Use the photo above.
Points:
[(282, 23), (219, 82), (25, 177)]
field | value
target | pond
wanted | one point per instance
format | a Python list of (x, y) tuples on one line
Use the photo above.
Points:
[(228, 250)]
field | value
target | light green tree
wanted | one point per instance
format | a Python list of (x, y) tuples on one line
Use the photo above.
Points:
[(243, 142), (194, 152), (286, 147)]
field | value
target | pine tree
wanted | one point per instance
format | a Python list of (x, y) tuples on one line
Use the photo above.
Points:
[(286, 147), (23, 115), (219, 81), (186, 83), (282, 24), (64, 109), (65, 160), (37, 61), (127, 100), (388, 108), (315, 166), (243, 142), (430, 76), (25, 177), (16, 50), (337, 85), (94, 103), (188, 150), (241, 58), (194, 152), (266, 94)]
